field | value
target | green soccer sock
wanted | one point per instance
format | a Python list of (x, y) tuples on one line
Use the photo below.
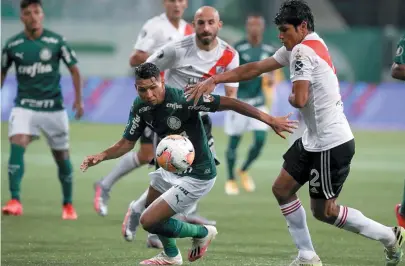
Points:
[(15, 170), (173, 228), (231, 155), (65, 173), (255, 149), (402, 210), (169, 246)]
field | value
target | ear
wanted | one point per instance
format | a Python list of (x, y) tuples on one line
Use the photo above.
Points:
[(304, 26), (220, 24)]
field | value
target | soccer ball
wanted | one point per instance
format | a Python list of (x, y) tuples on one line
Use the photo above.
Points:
[(175, 153)]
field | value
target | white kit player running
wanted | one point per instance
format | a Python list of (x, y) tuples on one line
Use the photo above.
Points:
[(186, 62), (323, 155)]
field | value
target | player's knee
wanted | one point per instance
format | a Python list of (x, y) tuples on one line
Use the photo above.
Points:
[(324, 212), (60, 155), (146, 222), (20, 140), (281, 193)]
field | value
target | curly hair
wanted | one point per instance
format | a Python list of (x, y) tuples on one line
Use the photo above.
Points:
[(147, 71)]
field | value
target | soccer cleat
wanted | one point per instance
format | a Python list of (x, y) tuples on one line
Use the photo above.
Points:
[(315, 261), (131, 223), (393, 255), (197, 219), (153, 241), (163, 259), (231, 187), (101, 197), (247, 181), (69, 212), (200, 245), (13, 207), (400, 218)]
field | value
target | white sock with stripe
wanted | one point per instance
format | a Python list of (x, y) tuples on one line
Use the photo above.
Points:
[(127, 163), (354, 221), (296, 218)]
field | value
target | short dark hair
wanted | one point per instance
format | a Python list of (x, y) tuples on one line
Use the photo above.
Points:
[(26, 3), (295, 12), (147, 71)]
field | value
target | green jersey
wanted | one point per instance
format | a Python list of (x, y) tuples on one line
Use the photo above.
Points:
[(37, 69), (177, 116), (251, 90), (400, 54)]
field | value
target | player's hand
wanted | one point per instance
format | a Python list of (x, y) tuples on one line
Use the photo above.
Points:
[(79, 108), (92, 160), (205, 87), (282, 124)]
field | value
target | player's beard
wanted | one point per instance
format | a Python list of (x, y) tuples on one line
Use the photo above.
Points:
[(206, 39)]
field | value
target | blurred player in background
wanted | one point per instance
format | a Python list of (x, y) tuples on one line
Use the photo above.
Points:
[(185, 62), (398, 72), (171, 193), (36, 53), (324, 154), (250, 49), (156, 32)]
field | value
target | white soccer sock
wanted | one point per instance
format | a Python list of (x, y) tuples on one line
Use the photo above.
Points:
[(296, 218), (139, 205), (127, 163), (354, 221)]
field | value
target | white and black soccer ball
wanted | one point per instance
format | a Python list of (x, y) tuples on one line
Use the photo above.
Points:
[(175, 153)]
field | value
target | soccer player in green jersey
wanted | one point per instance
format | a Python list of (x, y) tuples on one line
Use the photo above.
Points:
[(36, 53), (157, 107), (398, 72), (250, 49)]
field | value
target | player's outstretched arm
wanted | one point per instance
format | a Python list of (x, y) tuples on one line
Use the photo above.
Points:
[(278, 124), (398, 71), (241, 73), (117, 150)]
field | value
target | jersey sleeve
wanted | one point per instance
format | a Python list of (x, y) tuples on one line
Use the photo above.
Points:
[(233, 64), (206, 103), (400, 54), (67, 54), (146, 40), (6, 60), (302, 65), (135, 125), (281, 56), (164, 58)]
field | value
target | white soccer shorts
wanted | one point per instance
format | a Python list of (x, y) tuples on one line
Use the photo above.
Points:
[(180, 192), (237, 124), (54, 125)]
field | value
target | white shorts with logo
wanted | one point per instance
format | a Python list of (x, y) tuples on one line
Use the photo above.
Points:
[(236, 124), (180, 192), (54, 125)]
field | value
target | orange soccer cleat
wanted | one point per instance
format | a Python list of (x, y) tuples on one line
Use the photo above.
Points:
[(13, 207), (69, 212), (400, 218)]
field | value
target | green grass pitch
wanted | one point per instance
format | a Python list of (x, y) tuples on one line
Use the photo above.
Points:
[(252, 230)]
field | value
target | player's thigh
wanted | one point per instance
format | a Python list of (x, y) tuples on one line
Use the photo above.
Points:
[(256, 125), (186, 192), (157, 209), (235, 124), (297, 162), (22, 127), (55, 126), (329, 171)]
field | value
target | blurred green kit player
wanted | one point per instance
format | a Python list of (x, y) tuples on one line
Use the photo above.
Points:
[(167, 112), (36, 53), (250, 49)]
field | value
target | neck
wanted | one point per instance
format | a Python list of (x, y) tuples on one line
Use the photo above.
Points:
[(174, 21), (207, 47), (255, 40), (33, 34)]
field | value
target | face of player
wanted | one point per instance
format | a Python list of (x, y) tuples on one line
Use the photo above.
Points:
[(32, 17), (290, 36), (175, 8), (207, 25), (255, 26), (151, 90)]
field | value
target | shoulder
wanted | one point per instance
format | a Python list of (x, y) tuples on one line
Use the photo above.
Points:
[(52, 37), (139, 106), (15, 40), (184, 42), (301, 50), (175, 94), (241, 45), (226, 46), (269, 48)]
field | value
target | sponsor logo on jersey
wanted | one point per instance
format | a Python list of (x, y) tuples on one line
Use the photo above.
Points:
[(45, 54), (36, 68), (15, 43), (19, 55), (199, 108), (135, 124), (208, 98), (219, 69), (174, 106), (173, 122), (37, 103), (400, 51), (160, 54), (50, 40), (145, 109)]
